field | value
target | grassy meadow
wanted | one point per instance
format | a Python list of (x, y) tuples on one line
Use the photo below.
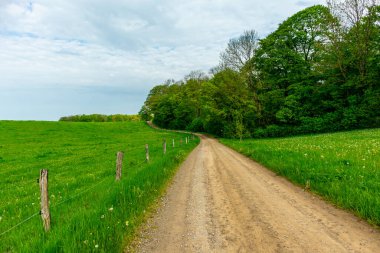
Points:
[(89, 210), (342, 167)]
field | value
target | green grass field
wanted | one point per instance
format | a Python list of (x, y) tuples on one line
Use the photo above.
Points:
[(342, 167), (90, 211)]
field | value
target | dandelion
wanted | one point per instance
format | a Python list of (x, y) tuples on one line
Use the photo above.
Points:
[(110, 209), (127, 223), (102, 217), (96, 246)]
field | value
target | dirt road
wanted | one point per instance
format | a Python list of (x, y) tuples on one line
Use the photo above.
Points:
[(221, 201)]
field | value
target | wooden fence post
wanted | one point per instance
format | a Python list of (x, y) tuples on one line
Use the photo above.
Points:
[(45, 212), (147, 152), (164, 146), (173, 143), (119, 164)]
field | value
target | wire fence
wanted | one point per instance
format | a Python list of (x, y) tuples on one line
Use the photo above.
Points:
[(152, 149)]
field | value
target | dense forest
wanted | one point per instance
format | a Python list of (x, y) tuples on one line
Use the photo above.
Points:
[(318, 72)]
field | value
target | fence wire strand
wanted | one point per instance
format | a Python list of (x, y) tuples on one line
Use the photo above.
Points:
[(20, 223), (80, 193)]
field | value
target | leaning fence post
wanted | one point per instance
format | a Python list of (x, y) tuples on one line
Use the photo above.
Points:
[(119, 164), (164, 146), (173, 143), (147, 152), (45, 212)]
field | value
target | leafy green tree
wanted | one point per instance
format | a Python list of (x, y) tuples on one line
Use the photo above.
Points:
[(288, 62)]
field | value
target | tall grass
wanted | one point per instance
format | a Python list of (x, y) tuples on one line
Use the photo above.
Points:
[(342, 167), (90, 211)]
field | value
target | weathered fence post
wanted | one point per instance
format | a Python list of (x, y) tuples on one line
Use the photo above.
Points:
[(173, 143), (119, 164), (45, 212), (147, 152), (164, 146)]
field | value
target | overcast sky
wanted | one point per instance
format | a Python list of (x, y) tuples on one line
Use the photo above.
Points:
[(66, 57)]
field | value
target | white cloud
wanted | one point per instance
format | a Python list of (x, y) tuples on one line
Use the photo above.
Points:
[(133, 44)]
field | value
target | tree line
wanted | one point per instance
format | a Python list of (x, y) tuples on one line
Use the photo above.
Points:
[(100, 118), (318, 72)]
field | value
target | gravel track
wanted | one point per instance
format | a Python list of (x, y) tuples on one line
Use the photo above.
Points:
[(221, 201)]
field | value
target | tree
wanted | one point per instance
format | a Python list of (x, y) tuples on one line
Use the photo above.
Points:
[(231, 104), (196, 75), (288, 62), (294, 50), (239, 51), (357, 19), (239, 126), (238, 56)]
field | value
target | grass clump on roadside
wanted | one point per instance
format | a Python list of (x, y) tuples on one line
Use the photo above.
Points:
[(90, 211), (342, 167)]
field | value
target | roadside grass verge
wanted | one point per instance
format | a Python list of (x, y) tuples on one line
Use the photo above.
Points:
[(342, 167), (90, 211)]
